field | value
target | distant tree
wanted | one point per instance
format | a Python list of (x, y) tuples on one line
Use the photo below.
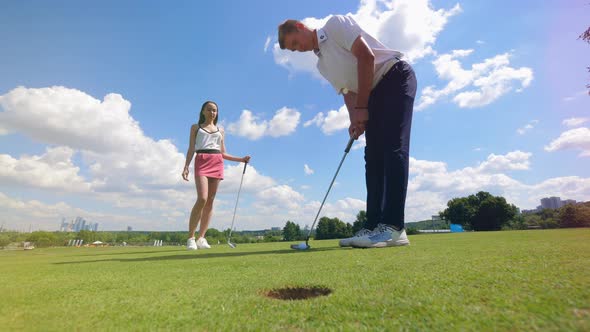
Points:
[(480, 212), (492, 213), (106, 237), (360, 222), (548, 214), (43, 239), (87, 236), (4, 240), (273, 236), (212, 232), (291, 231), (574, 216), (517, 222), (459, 211), (568, 217), (332, 228)]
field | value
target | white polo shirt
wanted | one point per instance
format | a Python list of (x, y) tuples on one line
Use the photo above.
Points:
[(337, 63)]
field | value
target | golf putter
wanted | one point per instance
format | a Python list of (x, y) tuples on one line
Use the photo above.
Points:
[(305, 245), (233, 245)]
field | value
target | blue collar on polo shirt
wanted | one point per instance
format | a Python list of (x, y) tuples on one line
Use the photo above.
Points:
[(322, 37)]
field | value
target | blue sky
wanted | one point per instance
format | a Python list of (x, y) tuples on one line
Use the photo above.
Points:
[(96, 102)]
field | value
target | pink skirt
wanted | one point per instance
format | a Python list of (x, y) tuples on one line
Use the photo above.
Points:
[(209, 165)]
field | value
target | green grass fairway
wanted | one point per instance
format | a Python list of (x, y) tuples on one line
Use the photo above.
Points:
[(500, 281)]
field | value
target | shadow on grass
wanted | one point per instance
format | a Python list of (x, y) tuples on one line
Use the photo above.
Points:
[(126, 253), (197, 255)]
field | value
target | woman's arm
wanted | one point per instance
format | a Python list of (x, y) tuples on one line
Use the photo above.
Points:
[(228, 156), (190, 152)]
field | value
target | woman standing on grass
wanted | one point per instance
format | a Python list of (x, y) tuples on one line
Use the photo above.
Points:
[(206, 139)]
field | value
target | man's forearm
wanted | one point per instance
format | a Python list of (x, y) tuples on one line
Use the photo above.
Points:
[(365, 67), (350, 102)]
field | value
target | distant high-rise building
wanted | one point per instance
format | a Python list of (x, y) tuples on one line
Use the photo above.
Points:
[(76, 225), (568, 201), (554, 203), (129, 229), (79, 224), (551, 202)]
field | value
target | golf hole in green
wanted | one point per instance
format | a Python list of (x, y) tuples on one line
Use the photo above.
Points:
[(298, 293)]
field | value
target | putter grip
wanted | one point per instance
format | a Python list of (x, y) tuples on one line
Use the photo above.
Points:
[(245, 164), (350, 141)]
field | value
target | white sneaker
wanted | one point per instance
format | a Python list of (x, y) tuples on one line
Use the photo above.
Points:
[(348, 241), (202, 243), (191, 244), (382, 236)]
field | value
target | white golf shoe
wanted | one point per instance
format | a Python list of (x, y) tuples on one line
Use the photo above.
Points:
[(202, 243), (382, 236), (191, 244), (348, 241)]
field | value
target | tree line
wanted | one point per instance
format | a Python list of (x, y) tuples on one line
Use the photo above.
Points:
[(327, 228), (52, 239), (479, 212), (486, 212)]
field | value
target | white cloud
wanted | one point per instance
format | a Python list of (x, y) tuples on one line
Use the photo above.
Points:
[(344, 209), (360, 143), (250, 126), (307, 170), (19, 214), (296, 61), (423, 166), (52, 170), (267, 43), (253, 180), (284, 122), (410, 26), (529, 126), (62, 116), (487, 81), (575, 96), (317, 120), (332, 122), (574, 122), (279, 198), (109, 139), (577, 139), (515, 160)]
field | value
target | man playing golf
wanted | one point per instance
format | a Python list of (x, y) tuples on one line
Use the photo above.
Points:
[(379, 91)]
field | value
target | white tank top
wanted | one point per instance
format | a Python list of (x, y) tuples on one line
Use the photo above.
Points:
[(208, 141)]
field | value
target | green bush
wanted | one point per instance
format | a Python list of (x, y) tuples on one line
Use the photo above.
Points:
[(43, 239), (4, 240)]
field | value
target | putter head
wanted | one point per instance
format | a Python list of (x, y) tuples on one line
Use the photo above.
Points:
[(300, 246), (231, 245)]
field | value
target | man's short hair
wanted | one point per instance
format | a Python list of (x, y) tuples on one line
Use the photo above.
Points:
[(287, 27)]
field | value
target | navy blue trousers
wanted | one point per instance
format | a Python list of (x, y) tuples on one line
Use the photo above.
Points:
[(391, 105)]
